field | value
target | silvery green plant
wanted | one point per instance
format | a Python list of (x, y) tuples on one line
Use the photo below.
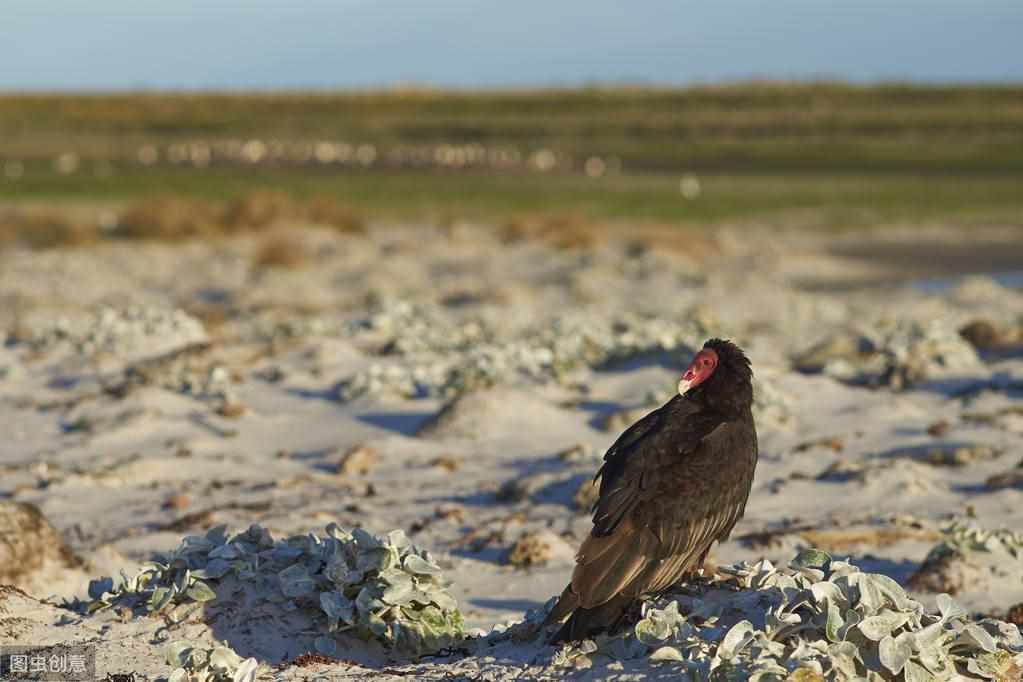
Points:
[(176, 578), (905, 352), (270, 325), (462, 360), (962, 537), (353, 583), (819, 617), (770, 404), (912, 351), (406, 328), (377, 588), (217, 664), (120, 331)]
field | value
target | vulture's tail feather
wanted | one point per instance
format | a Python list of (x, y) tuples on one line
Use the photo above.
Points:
[(585, 622)]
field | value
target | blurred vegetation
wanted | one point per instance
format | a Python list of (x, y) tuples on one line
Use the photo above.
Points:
[(827, 155), (175, 218)]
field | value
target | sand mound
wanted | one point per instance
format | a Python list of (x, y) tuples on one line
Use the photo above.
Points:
[(32, 552), (473, 415)]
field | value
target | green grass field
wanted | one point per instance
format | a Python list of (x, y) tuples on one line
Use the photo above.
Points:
[(823, 154)]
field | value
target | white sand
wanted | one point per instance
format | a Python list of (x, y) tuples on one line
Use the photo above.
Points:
[(101, 468)]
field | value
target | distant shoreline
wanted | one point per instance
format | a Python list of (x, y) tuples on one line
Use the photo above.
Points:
[(523, 89)]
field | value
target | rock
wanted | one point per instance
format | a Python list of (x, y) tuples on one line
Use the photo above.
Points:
[(447, 462), (833, 443), (939, 428), (178, 501), (949, 574), (961, 455), (515, 490), (31, 549), (586, 495), (1008, 479), (580, 452), (622, 419), (358, 460), (982, 334), (839, 346), (537, 549), (231, 410), (1015, 615)]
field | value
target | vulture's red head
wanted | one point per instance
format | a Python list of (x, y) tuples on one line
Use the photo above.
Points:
[(719, 374), (699, 370)]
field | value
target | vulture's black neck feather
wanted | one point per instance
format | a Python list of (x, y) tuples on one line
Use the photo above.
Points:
[(729, 390)]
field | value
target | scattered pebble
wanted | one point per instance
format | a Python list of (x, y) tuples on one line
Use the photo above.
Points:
[(834, 443), (960, 456), (447, 462), (177, 501), (515, 490), (358, 460), (231, 410), (580, 452)]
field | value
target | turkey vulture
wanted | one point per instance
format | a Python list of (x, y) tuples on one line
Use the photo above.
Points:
[(672, 484)]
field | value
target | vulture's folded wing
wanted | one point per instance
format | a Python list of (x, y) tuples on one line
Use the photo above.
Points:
[(631, 463)]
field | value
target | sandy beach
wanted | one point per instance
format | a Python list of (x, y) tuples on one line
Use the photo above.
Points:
[(461, 384)]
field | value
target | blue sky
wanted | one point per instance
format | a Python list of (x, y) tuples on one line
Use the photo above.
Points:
[(118, 44)]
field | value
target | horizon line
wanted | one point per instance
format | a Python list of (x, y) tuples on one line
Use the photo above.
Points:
[(595, 85)]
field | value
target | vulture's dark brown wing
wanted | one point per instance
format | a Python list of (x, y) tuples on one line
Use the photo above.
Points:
[(710, 510), (668, 491), (645, 447)]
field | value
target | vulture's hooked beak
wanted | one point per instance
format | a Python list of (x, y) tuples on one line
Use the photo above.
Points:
[(687, 381)]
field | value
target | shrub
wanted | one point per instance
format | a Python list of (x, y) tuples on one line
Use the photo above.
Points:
[(167, 219)]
